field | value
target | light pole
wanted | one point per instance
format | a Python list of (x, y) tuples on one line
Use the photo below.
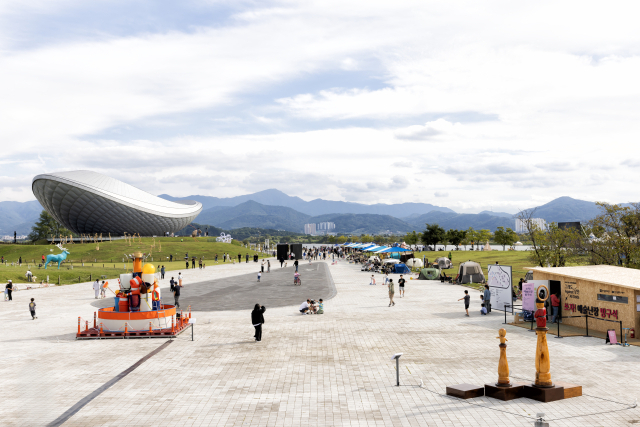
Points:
[(397, 358)]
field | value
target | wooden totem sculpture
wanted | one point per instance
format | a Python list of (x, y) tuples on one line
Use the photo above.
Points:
[(503, 365), (543, 364)]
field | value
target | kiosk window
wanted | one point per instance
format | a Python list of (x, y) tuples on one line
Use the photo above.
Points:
[(613, 298)]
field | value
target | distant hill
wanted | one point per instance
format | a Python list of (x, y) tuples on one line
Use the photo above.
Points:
[(502, 214), (567, 209), (462, 221), (18, 216), (314, 207), (254, 214), (364, 223)]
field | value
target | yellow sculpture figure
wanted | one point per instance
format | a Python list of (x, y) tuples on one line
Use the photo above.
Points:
[(543, 364), (503, 365)]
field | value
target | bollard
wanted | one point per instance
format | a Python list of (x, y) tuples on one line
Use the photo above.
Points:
[(86, 326), (172, 327), (126, 328), (150, 330), (95, 314), (189, 312), (101, 331), (78, 326)]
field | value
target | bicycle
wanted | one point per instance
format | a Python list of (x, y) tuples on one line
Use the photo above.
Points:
[(297, 281)]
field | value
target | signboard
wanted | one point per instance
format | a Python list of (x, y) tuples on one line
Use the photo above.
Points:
[(528, 296), (500, 286)]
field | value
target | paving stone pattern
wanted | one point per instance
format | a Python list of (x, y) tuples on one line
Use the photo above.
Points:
[(323, 370)]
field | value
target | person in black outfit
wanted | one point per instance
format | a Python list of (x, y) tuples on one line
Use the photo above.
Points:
[(9, 288), (193, 262), (239, 258), (257, 319), (296, 264), (247, 257), (281, 262)]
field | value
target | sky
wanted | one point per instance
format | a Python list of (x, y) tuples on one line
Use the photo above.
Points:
[(494, 105)]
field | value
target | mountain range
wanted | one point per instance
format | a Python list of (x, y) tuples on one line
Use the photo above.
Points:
[(279, 211)]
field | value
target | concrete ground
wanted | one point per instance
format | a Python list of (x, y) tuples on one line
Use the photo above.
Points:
[(323, 370)]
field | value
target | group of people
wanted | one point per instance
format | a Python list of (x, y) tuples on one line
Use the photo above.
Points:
[(312, 307), (388, 282), (201, 263)]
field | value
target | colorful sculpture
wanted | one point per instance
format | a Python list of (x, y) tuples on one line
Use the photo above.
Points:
[(57, 258), (543, 364)]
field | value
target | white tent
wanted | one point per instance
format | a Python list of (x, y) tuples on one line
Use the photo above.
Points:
[(414, 262), (518, 243)]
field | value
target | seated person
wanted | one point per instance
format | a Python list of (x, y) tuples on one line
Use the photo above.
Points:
[(320, 307), (483, 310), (304, 307), (313, 308)]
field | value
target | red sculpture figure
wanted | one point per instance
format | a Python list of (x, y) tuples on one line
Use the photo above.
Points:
[(541, 316)]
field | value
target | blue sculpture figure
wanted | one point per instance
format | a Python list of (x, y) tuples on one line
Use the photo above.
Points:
[(57, 258)]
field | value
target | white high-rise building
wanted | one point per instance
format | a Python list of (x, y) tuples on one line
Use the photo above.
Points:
[(309, 229), (326, 226), (522, 228)]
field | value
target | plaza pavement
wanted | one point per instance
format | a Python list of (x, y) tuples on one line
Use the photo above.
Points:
[(324, 370)]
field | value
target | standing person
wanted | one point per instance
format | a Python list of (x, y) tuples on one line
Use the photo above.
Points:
[(200, 263), (259, 276), (32, 309), (171, 258), (20, 261), (162, 272), (391, 292), (103, 290), (487, 298), (247, 258), (268, 266), (187, 264), (386, 278), (180, 279), (96, 288), (257, 319), (401, 285), (373, 280), (555, 306), (467, 300), (296, 265), (281, 261), (193, 262), (262, 266), (43, 259), (239, 257), (9, 290), (176, 292), (29, 275), (216, 258)]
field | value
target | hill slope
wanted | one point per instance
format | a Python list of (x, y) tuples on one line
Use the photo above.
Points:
[(364, 223), (254, 214), (567, 209), (462, 221)]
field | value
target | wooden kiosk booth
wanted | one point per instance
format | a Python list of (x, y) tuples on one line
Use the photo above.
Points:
[(601, 291)]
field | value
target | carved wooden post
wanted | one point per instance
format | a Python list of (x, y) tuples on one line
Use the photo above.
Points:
[(503, 365)]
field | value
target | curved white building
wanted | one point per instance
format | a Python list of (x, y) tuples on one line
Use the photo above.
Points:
[(88, 202)]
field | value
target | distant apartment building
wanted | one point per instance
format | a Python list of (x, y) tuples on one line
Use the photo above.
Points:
[(309, 229), (521, 227), (326, 227)]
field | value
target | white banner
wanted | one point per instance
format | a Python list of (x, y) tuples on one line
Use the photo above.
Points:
[(500, 286)]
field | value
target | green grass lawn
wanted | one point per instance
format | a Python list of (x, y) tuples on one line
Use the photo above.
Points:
[(106, 258)]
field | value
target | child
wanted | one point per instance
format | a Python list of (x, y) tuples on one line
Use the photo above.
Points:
[(103, 290), (32, 309), (373, 280), (321, 307), (483, 310), (259, 275), (467, 299)]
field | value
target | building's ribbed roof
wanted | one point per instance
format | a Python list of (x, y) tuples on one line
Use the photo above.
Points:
[(121, 192)]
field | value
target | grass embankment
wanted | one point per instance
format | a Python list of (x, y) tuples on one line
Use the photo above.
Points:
[(518, 260), (106, 258)]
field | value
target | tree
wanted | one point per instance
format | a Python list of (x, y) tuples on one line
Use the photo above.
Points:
[(341, 239), (533, 232), (472, 236), (455, 237), (366, 238), (505, 237), (411, 238), (45, 227), (433, 235), (484, 236), (614, 235)]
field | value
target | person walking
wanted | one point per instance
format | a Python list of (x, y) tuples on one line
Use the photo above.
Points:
[(555, 306), (391, 292), (281, 261), (467, 300), (247, 258), (257, 319), (401, 285), (162, 273), (103, 290), (373, 280), (9, 290), (96, 288), (200, 263), (42, 259), (262, 266), (170, 257), (176, 292), (259, 276), (187, 264), (268, 266), (32, 309), (487, 298), (296, 265)]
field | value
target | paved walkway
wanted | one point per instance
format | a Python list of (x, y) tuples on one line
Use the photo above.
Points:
[(324, 370)]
